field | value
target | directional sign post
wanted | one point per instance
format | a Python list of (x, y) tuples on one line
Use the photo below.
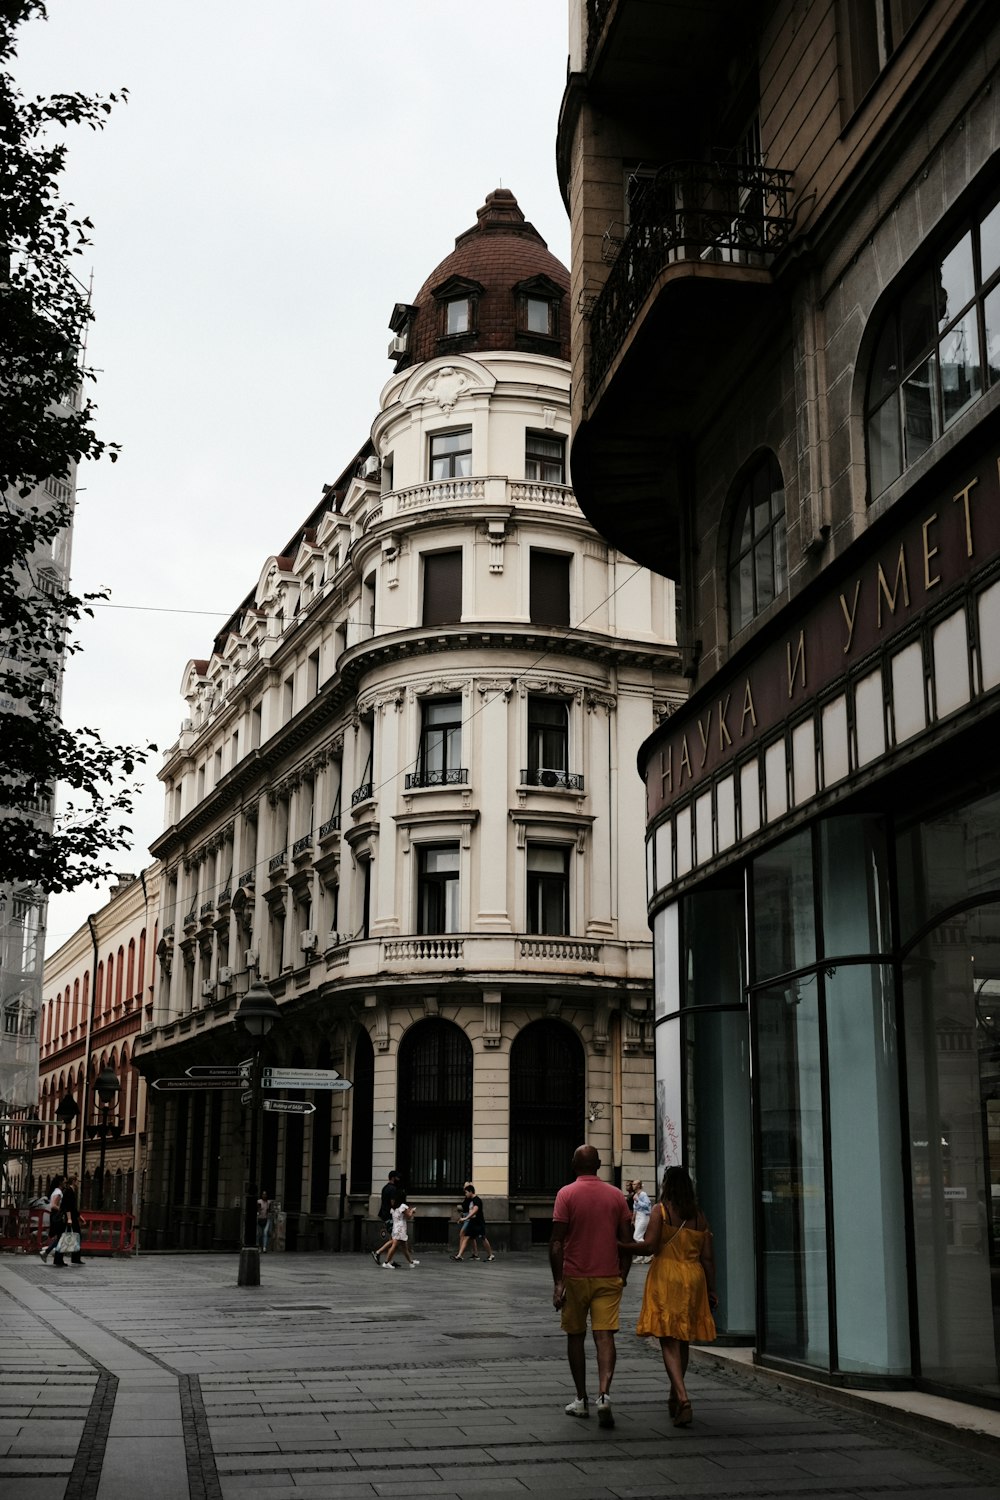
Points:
[(215, 1070), (289, 1106), (168, 1085), (247, 1098), (304, 1078)]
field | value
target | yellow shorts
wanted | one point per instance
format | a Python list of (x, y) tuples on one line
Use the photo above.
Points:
[(601, 1296)]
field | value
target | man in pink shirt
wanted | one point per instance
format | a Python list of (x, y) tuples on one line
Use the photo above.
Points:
[(589, 1218)]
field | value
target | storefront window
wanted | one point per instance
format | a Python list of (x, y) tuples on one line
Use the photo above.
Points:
[(869, 1240), (792, 1180), (855, 885), (783, 907)]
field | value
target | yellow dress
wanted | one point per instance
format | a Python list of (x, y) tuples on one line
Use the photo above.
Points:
[(675, 1299)]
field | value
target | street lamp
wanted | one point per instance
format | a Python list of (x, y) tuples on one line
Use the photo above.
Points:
[(257, 1014), (107, 1087), (66, 1114), (31, 1129)]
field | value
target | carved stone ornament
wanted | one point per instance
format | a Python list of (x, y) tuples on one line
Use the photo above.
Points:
[(602, 1016), (595, 700), (491, 1017), (528, 685), (666, 708), (446, 385), (490, 686)]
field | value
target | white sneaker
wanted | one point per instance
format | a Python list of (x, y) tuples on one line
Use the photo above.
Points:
[(387, 1265), (578, 1408), (414, 1263), (605, 1416)]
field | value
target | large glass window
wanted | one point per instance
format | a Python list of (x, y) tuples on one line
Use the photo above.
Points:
[(546, 1106), (544, 458), (451, 454), (783, 906), (437, 888), (440, 756), (548, 734), (757, 567), (548, 889), (937, 351), (792, 1176)]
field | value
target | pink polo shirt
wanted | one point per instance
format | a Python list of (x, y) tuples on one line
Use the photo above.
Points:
[(597, 1216)]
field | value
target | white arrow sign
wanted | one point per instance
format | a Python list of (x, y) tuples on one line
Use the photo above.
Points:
[(247, 1098), (289, 1106), (303, 1078), (282, 1081)]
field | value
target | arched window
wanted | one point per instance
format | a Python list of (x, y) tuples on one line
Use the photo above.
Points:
[(757, 568), (141, 975), (937, 350), (119, 977), (130, 976), (111, 980), (434, 1117), (99, 988), (546, 1106)]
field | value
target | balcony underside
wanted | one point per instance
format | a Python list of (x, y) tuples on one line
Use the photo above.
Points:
[(675, 367), (662, 49)]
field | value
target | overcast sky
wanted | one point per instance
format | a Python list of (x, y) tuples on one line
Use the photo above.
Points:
[(280, 177)]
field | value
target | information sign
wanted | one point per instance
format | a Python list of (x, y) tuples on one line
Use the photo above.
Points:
[(166, 1085), (289, 1106), (215, 1070), (275, 1080)]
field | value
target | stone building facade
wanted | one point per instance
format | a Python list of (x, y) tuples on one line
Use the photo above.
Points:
[(404, 797), (99, 994), (787, 294)]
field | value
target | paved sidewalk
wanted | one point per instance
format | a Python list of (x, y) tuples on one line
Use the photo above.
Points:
[(158, 1378)]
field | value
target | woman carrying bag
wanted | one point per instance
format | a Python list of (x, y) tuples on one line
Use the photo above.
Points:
[(69, 1241)]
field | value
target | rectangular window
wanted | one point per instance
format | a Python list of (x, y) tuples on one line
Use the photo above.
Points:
[(312, 687), (437, 888), (256, 717), (548, 889), (538, 315), (442, 588), (451, 454), (456, 316), (544, 459), (874, 30), (288, 694), (548, 734), (548, 588), (440, 759)]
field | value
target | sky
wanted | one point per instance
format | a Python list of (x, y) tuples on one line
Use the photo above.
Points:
[(280, 176)]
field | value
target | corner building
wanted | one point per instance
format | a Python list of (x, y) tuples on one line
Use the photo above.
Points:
[(403, 796), (786, 376)]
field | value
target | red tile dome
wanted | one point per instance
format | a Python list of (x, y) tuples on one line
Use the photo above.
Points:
[(500, 288)]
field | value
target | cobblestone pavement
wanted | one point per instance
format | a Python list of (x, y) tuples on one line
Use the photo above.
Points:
[(159, 1377)]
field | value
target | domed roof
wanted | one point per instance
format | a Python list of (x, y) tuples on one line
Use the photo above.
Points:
[(500, 288)]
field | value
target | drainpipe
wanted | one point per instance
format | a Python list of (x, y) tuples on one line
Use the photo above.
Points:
[(91, 923)]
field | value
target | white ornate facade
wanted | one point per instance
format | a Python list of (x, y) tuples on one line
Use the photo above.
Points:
[(405, 796)]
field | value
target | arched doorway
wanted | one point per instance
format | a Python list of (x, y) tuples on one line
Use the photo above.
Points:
[(434, 1114), (546, 1106)]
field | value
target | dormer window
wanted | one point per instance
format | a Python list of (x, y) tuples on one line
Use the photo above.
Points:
[(457, 316), (458, 298), (537, 302)]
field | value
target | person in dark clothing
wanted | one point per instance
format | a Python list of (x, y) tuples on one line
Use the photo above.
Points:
[(392, 1196), (473, 1227), (71, 1211)]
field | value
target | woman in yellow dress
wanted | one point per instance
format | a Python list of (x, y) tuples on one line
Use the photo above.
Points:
[(679, 1295)]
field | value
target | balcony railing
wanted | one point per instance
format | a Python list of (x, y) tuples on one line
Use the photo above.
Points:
[(207, 907), (545, 776), (566, 950), (246, 879), (440, 492), (730, 213), (413, 950), (454, 776), (191, 919), (302, 846), (363, 794), (277, 862)]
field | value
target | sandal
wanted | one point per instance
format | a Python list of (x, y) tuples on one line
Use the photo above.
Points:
[(684, 1415), (460, 1258)]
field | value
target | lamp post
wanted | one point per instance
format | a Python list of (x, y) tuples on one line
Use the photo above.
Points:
[(31, 1129), (66, 1114), (257, 1014), (107, 1087)]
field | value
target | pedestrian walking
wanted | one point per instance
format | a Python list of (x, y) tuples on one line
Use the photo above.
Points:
[(57, 1219), (392, 1191), (401, 1214), (472, 1229), (589, 1221), (263, 1221), (641, 1209), (69, 1240), (679, 1294)]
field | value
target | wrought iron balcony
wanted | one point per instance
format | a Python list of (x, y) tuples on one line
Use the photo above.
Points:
[(453, 776), (225, 897), (207, 907), (302, 846), (363, 793), (545, 776), (191, 920), (277, 862), (723, 213), (246, 879), (331, 826)]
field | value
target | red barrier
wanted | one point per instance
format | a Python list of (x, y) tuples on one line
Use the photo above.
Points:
[(25, 1230)]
